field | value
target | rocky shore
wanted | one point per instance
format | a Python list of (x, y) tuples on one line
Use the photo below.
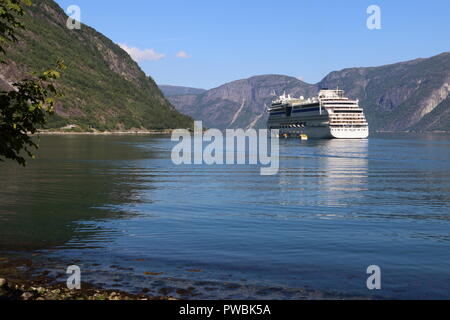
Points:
[(16, 291), (19, 281)]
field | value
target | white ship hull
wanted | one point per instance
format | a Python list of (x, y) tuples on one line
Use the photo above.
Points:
[(327, 133)]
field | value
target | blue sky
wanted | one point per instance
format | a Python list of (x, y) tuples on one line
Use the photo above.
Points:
[(225, 40)]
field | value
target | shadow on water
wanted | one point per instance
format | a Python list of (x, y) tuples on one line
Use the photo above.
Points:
[(72, 178)]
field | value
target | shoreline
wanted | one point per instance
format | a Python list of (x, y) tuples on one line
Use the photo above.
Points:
[(16, 285), (22, 280), (104, 133)]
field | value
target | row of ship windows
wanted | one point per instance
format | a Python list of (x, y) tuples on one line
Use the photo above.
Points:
[(349, 129), (296, 125), (344, 122), (341, 106), (345, 118), (344, 111), (293, 125), (356, 115), (302, 125), (347, 114)]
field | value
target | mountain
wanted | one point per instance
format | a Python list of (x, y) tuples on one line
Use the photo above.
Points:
[(412, 95), (103, 87), (170, 91), (241, 103)]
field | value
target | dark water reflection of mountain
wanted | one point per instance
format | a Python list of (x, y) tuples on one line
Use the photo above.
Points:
[(42, 204)]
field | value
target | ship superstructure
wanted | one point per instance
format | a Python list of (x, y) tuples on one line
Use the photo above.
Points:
[(329, 115)]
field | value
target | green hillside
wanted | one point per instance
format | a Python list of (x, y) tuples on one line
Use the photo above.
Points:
[(103, 87)]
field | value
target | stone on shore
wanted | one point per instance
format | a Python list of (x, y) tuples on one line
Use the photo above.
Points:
[(26, 296)]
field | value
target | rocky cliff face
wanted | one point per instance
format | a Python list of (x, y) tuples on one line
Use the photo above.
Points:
[(103, 87), (404, 96)]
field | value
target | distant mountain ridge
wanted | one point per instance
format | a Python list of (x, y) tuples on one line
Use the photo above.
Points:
[(103, 87), (170, 91), (411, 95)]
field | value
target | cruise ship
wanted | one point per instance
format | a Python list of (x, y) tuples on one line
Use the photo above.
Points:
[(327, 116)]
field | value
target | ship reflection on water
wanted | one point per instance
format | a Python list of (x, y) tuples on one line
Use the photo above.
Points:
[(330, 172)]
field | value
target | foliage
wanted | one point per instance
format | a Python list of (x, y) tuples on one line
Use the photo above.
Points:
[(23, 110), (26, 107), (10, 10)]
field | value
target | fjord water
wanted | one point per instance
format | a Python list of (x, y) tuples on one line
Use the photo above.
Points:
[(120, 209)]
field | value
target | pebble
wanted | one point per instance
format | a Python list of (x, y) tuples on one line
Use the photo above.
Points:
[(40, 290), (26, 296)]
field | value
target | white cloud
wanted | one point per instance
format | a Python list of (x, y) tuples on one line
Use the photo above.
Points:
[(183, 55), (139, 55)]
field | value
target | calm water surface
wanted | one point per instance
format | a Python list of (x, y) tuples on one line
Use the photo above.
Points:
[(117, 207)]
